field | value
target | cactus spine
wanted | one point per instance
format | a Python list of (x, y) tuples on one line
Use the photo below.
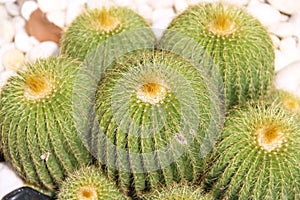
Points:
[(94, 26), (258, 156), (238, 43), (37, 129)]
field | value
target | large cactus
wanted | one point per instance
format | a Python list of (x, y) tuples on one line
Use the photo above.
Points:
[(88, 183), (258, 156), (37, 129), (92, 27), (238, 43)]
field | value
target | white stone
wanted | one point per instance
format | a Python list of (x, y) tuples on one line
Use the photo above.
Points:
[(145, 11), (163, 15), (276, 41), (12, 8), (160, 4), (72, 11), (53, 5), (22, 41), (265, 13), (9, 179), (288, 47), (92, 4), (180, 5), (239, 3), (6, 1), (19, 24), (42, 50), (288, 78), (159, 27), (295, 21), (286, 6), (13, 59), (282, 29), (27, 8), (4, 76), (3, 12), (281, 60), (7, 35), (57, 17)]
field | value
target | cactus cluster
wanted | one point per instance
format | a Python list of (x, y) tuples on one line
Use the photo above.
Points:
[(258, 156), (37, 130), (238, 43)]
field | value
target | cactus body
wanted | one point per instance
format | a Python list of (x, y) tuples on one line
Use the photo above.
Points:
[(238, 43), (88, 183), (258, 156), (94, 26), (37, 129), (154, 110)]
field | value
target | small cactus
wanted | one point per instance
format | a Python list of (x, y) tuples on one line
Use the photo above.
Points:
[(88, 183), (154, 110), (92, 27), (258, 156), (37, 129), (177, 192), (238, 44)]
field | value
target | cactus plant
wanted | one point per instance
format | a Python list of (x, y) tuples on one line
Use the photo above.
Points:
[(154, 110), (88, 183), (37, 129), (258, 156), (94, 26), (238, 43), (177, 192)]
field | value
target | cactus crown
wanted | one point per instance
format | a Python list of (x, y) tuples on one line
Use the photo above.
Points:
[(87, 192), (37, 87), (106, 21)]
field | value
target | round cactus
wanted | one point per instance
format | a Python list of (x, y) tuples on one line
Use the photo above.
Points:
[(258, 156), (38, 134), (88, 183), (177, 192), (238, 44), (94, 26), (156, 113), (288, 100)]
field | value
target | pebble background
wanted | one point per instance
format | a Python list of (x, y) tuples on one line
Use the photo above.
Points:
[(19, 43)]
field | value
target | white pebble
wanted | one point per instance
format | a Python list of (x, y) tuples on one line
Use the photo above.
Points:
[(295, 21), (42, 50), (280, 60), (161, 4), (57, 17), (53, 5), (145, 11), (27, 8), (22, 41), (264, 12), (7, 35), (180, 5), (162, 15), (288, 78), (239, 3), (6, 1), (282, 29), (276, 41), (13, 59), (12, 180), (286, 6), (4, 76), (72, 11), (12, 8), (159, 27), (92, 4), (19, 24), (288, 47), (3, 12)]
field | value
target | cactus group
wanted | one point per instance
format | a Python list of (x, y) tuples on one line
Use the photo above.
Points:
[(92, 27), (88, 183), (38, 135), (238, 44), (258, 156), (154, 110)]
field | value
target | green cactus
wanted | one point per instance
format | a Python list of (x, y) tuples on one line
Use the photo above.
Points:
[(238, 43), (94, 26), (88, 183), (289, 101), (258, 156), (155, 111), (177, 192), (37, 129)]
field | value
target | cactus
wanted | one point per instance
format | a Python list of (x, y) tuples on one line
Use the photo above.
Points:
[(88, 183), (154, 110), (238, 44), (177, 192), (94, 26), (37, 129), (258, 156)]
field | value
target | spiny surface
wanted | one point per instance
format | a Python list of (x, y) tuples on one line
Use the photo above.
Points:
[(37, 129), (156, 107), (88, 183), (258, 156), (94, 26), (238, 44)]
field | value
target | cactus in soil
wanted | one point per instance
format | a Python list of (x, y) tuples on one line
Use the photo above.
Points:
[(95, 26), (37, 128), (238, 43), (177, 192), (154, 110), (258, 156), (88, 183)]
